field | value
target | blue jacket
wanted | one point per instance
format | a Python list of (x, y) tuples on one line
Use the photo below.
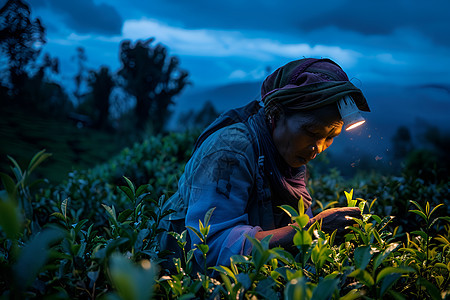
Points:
[(225, 172)]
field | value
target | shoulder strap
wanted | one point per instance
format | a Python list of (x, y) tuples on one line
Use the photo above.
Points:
[(230, 117)]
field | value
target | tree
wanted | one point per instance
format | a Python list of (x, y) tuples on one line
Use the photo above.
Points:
[(194, 120), (101, 84), (21, 41), (153, 79), (401, 143), (80, 77)]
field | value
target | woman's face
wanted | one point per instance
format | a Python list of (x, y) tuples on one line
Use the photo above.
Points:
[(300, 137)]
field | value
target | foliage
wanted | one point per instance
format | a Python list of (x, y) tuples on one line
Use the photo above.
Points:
[(152, 78), (97, 234), (21, 40)]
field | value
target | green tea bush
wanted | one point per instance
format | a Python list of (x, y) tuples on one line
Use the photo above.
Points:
[(95, 237)]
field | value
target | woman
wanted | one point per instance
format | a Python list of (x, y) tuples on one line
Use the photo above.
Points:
[(253, 159)]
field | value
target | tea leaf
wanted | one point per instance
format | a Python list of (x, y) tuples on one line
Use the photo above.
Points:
[(132, 282), (349, 197), (64, 207), (382, 256), (363, 276), (388, 282), (9, 185), (124, 215), (418, 212), (362, 256), (34, 256), (289, 210), (130, 184), (197, 233), (391, 270), (302, 220), (437, 206), (37, 160), (111, 212), (142, 189), (10, 219), (208, 215), (302, 238), (430, 288), (128, 192), (416, 204), (325, 289), (226, 271), (203, 248), (301, 206)]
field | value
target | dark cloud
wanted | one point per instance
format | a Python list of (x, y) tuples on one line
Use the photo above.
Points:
[(382, 17), (84, 16)]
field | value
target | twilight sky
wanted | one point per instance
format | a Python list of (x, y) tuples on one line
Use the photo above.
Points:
[(397, 41)]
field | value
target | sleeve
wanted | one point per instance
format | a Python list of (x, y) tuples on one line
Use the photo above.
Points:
[(221, 175)]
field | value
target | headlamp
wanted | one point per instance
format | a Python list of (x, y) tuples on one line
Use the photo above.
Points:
[(349, 113)]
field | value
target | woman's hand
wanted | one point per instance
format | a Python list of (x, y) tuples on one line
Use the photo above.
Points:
[(336, 218)]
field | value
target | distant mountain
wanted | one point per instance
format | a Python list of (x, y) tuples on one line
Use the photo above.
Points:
[(391, 106)]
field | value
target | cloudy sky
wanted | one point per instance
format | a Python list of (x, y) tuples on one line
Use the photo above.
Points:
[(397, 41)]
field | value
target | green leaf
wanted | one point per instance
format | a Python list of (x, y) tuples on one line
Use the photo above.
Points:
[(291, 212), (363, 276), (37, 160), (439, 205), (208, 216), (64, 205), (130, 184), (302, 238), (17, 170), (128, 192), (391, 270), (349, 197), (244, 279), (142, 189), (302, 220), (301, 206), (265, 290), (417, 205), (79, 226), (132, 282), (34, 256), (296, 289), (418, 212), (376, 218), (388, 282), (371, 204), (382, 256), (124, 215), (197, 233), (445, 218), (430, 288), (239, 259), (361, 206), (352, 295), (111, 211), (203, 248), (227, 271), (325, 289), (10, 219), (59, 216), (352, 203), (362, 256), (421, 234), (9, 185)]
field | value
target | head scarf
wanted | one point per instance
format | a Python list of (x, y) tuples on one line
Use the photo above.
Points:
[(307, 84)]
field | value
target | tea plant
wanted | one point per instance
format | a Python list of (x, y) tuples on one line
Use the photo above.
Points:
[(97, 238)]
